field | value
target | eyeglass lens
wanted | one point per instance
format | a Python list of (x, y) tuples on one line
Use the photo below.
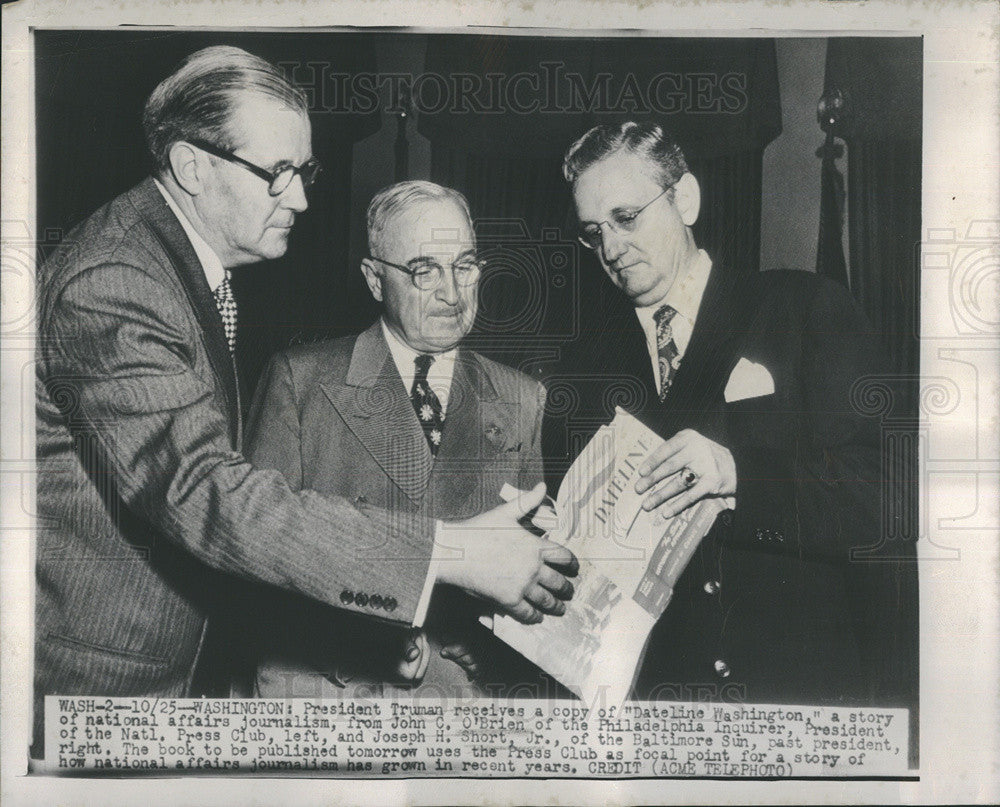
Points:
[(308, 171), (429, 275)]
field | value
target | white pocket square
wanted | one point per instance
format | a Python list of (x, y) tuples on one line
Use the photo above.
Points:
[(748, 380)]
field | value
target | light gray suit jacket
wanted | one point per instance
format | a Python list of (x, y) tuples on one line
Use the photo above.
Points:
[(335, 417), (141, 488)]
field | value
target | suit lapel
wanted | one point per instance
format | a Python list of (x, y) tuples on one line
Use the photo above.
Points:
[(624, 344), (378, 411), (164, 224), (467, 429), (711, 353)]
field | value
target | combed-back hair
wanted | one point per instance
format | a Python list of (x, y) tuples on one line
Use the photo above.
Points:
[(647, 140), (393, 200), (197, 100)]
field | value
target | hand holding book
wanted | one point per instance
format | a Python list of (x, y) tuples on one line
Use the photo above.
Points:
[(630, 558)]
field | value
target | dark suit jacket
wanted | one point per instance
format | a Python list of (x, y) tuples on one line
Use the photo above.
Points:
[(141, 486), (335, 417), (764, 611)]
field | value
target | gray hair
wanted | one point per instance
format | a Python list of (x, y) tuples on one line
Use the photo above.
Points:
[(393, 200), (647, 140), (197, 100)]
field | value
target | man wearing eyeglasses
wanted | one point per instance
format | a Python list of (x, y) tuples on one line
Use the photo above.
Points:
[(749, 381), (404, 418), (143, 494)]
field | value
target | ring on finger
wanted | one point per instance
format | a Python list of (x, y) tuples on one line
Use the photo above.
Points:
[(688, 478)]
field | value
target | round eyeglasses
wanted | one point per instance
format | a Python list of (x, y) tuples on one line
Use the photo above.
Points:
[(427, 274), (621, 222), (277, 180)]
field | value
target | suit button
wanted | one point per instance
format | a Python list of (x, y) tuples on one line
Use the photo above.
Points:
[(759, 534), (726, 518), (389, 603), (375, 601), (722, 669), (712, 586), (361, 599), (346, 597), (779, 536)]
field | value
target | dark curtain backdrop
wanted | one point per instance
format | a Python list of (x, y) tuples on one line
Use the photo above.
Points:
[(541, 287), (91, 88), (884, 205), (882, 82)]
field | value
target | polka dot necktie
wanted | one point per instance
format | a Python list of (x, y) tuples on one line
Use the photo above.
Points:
[(226, 303), (426, 404), (666, 348)]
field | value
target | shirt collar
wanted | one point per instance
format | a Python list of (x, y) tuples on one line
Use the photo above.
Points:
[(438, 376), (214, 271), (684, 295)]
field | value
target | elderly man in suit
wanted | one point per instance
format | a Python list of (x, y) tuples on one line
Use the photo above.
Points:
[(749, 381), (143, 494), (403, 418)]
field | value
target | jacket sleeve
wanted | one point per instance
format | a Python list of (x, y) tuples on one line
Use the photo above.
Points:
[(274, 432), (818, 490), (532, 471), (123, 350)]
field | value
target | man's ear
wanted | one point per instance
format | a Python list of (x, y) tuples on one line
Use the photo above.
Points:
[(188, 166), (373, 278), (687, 198)]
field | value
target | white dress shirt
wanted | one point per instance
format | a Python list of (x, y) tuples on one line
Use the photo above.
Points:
[(439, 374)]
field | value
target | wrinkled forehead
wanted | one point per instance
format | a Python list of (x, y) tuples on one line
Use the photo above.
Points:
[(619, 181), (430, 228)]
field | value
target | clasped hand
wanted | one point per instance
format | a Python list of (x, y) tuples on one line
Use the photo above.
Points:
[(493, 557)]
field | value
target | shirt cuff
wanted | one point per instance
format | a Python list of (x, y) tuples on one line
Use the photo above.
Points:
[(432, 573)]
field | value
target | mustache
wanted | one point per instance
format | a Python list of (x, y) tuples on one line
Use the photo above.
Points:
[(450, 311), (442, 309)]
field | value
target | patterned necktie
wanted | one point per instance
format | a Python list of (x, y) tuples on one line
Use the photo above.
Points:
[(666, 348), (226, 303), (426, 404)]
